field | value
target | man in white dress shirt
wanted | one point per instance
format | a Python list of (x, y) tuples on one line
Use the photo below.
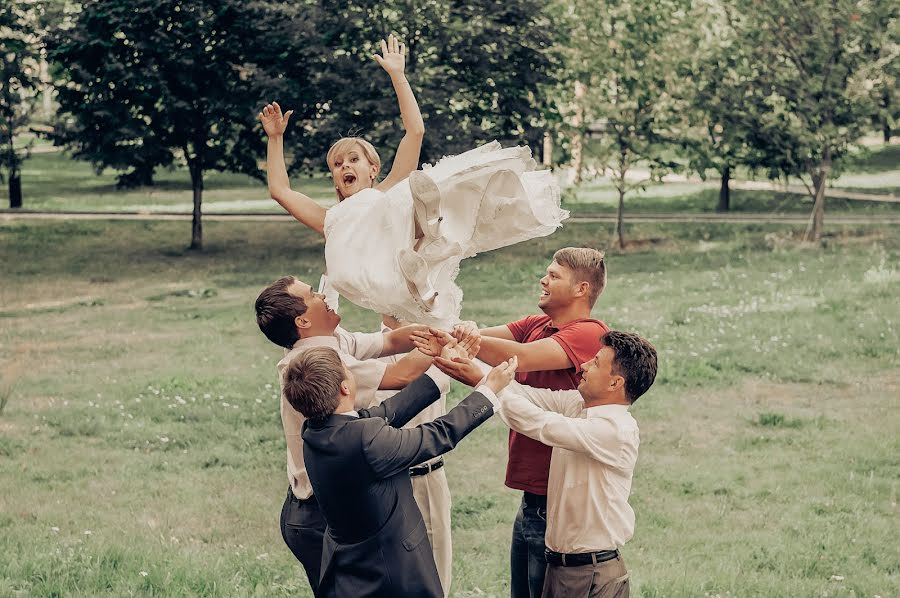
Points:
[(292, 316), (595, 445)]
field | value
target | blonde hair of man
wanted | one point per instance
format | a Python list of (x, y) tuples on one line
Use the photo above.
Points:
[(588, 265), (312, 382)]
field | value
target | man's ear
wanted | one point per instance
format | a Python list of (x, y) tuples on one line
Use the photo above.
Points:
[(302, 323), (582, 288), (345, 389), (617, 383)]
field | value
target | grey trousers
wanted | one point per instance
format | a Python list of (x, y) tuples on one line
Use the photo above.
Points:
[(603, 580)]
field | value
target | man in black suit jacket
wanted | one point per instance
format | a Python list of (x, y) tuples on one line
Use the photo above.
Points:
[(358, 463)]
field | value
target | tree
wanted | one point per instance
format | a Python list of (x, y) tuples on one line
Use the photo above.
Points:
[(621, 53), (151, 82), (720, 103), (20, 56), (479, 69), (818, 62)]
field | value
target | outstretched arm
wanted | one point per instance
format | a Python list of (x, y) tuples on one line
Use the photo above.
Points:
[(497, 345), (399, 340), (544, 354), (297, 204), (393, 61), (390, 450)]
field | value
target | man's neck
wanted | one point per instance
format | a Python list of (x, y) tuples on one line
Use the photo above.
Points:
[(345, 406), (312, 333), (570, 313), (618, 398)]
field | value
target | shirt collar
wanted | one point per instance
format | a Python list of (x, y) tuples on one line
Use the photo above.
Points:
[(317, 341), (603, 410), (307, 343)]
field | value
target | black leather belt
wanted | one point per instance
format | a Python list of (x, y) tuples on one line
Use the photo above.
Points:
[(426, 469), (579, 559)]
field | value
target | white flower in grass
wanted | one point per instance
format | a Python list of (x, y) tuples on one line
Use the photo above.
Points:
[(54, 529), (88, 532), (144, 574)]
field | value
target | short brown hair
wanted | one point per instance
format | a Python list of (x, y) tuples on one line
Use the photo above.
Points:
[(588, 265), (635, 361), (312, 382), (276, 310)]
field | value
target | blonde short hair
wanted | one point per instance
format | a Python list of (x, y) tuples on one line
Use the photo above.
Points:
[(312, 382), (345, 144), (588, 266)]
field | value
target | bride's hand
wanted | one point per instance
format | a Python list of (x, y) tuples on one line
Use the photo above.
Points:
[(272, 120), (393, 59)]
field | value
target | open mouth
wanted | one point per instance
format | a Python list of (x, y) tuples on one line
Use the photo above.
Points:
[(545, 293), (349, 179)]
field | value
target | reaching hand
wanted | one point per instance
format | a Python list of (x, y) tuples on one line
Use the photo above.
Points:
[(464, 328), (502, 375), (467, 333), (272, 120), (463, 370), (438, 343), (393, 60), (430, 341)]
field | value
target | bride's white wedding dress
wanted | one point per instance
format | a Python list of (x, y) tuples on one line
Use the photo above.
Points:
[(492, 197)]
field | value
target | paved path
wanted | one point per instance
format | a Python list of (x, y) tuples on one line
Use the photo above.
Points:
[(746, 218)]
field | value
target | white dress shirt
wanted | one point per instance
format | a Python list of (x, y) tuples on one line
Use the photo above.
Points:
[(594, 454), (356, 350)]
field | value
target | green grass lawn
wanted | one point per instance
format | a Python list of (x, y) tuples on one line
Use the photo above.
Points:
[(141, 451), (53, 181)]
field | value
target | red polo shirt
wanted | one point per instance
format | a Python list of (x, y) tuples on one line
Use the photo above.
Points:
[(529, 460)]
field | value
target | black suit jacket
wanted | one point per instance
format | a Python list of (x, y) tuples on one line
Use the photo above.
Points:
[(376, 544)]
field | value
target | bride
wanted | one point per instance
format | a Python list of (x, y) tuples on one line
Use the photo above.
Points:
[(394, 246)]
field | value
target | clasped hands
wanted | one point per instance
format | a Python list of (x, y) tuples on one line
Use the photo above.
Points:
[(453, 354)]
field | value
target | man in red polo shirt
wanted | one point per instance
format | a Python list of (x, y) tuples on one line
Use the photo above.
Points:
[(550, 349)]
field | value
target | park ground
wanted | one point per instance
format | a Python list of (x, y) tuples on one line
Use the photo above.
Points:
[(141, 450), (52, 181)]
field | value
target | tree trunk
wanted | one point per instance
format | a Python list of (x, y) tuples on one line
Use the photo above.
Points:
[(15, 190), (817, 218), (547, 150), (620, 215), (196, 223), (886, 110), (578, 136), (725, 191)]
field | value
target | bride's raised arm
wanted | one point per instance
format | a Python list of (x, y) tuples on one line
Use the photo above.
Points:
[(393, 61), (299, 206)]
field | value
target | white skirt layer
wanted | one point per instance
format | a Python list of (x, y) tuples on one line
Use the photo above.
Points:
[(492, 197)]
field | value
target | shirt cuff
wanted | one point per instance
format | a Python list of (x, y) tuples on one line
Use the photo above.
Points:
[(491, 396)]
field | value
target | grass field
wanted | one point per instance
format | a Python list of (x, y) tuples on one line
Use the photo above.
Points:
[(141, 449), (53, 181)]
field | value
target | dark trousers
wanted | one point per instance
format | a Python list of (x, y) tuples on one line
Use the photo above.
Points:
[(526, 553), (303, 527)]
